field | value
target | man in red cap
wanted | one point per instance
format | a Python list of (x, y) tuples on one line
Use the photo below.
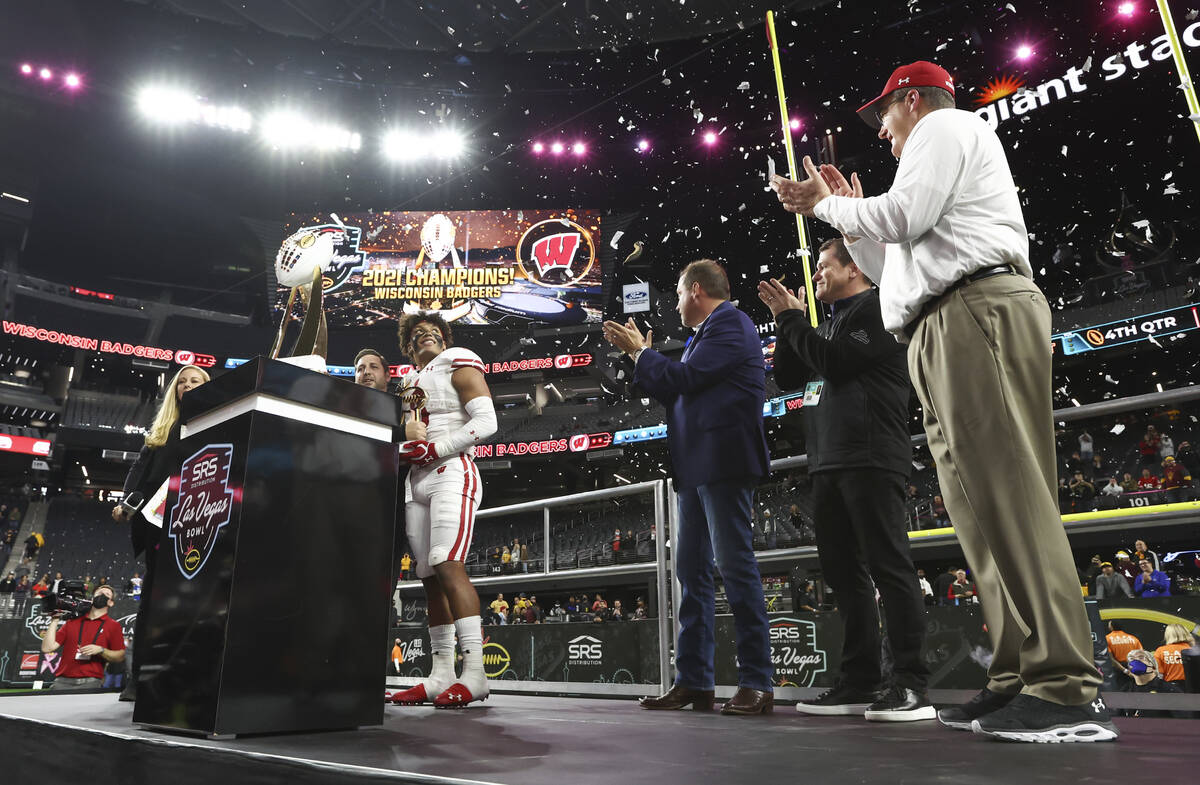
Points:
[(948, 245)]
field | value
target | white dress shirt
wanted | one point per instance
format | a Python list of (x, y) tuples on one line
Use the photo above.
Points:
[(951, 211)]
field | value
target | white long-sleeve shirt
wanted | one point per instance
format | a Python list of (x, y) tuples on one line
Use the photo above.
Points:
[(952, 210)]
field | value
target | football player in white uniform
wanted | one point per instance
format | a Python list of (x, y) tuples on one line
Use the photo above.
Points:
[(452, 411)]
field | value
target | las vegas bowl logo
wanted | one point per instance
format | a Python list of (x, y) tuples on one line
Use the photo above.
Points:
[(204, 507), (556, 252)]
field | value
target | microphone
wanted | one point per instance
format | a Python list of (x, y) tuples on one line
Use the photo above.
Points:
[(133, 502)]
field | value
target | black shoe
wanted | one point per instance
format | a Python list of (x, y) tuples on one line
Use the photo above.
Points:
[(129, 694), (841, 700), (1027, 718), (961, 717), (901, 704)]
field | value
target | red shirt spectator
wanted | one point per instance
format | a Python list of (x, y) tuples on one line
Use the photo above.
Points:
[(1174, 475), (1148, 482), (77, 633), (40, 588), (1149, 444)]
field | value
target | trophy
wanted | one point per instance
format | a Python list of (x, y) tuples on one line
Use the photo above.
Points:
[(300, 264)]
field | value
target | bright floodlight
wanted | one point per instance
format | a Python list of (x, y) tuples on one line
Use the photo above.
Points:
[(45, 73), (26, 69), (795, 123), (447, 144), (289, 129), (710, 138), (166, 105), (1024, 52), (643, 145), (1126, 9), (579, 148), (538, 148), (72, 81), (401, 146), (557, 148)]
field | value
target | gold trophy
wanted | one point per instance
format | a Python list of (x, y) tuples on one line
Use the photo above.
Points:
[(300, 264)]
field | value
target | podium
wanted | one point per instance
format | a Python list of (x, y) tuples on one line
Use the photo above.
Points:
[(270, 606)]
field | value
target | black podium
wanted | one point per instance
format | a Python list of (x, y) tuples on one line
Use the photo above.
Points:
[(270, 606)]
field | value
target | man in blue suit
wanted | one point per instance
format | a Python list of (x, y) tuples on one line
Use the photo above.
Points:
[(714, 399)]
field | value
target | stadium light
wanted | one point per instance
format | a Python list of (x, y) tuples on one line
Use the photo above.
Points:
[(538, 148), (448, 144), (72, 81), (579, 148), (46, 74), (1126, 9), (557, 148), (795, 123), (400, 146), (643, 145), (287, 129), (1024, 52), (172, 106), (710, 138), (26, 68)]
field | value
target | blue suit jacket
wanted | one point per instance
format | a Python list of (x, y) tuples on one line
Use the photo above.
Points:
[(714, 399)]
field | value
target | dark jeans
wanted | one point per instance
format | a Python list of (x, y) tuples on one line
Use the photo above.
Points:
[(714, 520), (861, 536)]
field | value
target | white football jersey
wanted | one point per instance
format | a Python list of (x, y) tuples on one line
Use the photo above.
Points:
[(437, 401)]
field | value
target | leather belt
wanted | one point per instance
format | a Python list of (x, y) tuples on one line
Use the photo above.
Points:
[(966, 280)]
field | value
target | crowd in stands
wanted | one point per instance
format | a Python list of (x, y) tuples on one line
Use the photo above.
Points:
[(526, 609)]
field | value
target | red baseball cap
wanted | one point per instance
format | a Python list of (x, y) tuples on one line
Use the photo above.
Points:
[(919, 74)]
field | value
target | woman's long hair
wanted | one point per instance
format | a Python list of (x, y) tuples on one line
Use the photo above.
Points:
[(168, 411)]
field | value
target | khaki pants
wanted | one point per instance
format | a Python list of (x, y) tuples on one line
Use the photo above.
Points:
[(980, 361)]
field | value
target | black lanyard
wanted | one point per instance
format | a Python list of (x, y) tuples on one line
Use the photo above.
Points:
[(79, 640)]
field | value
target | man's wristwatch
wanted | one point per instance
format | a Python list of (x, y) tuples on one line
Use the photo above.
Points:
[(637, 354)]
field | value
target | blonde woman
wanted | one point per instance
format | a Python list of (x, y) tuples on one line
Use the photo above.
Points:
[(1169, 656), (153, 467)]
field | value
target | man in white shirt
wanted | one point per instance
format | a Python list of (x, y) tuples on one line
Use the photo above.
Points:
[(948, 245)]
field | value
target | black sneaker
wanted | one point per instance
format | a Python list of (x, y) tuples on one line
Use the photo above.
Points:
[(1027, 718), (961, 717), (901, 704), (840, 700)]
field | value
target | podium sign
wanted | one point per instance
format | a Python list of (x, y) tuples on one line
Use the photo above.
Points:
[(271, 597)]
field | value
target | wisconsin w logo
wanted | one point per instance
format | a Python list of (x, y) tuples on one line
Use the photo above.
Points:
[(555, 252)]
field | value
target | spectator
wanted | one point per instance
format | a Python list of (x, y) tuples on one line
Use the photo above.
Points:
[(515, 556), (1148, 446), (1097, 467), (1147, 482), (1175, 479), (1142, 551), (1144, 678), (1128, 483), (558, 613), (1151, 582), (617, 612), (505, 559), (1075, 463), (499, 607), (926, 589), (1166, 447), (808, 600), (1113, 488), (616, 545), (1186, 455), (599, 606), (1169, 656), (572, 605), (41, 588), (1126, 567), (33, 544), (1086, 446), (405, 565), (58, 579), (940, 517), (941, 586), (20, 596), (533, 611), (1082, 493), (135, 586), (1110, 583), (6, 592), (1120, 644), (1087, 577), (1064, 496), (640, 613), (81, 665), (524, 557), (962, 591)]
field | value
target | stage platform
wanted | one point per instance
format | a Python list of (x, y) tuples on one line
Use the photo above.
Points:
[(529, 740)]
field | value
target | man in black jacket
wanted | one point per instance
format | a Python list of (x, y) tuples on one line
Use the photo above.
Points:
[(855, 378)]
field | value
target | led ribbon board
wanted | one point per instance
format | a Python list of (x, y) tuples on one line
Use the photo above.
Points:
[(1160, 324)]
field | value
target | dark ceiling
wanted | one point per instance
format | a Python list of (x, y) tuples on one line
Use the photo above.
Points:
[(469, 26)]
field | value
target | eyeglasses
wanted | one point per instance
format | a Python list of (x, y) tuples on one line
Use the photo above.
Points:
[(883, 109)]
